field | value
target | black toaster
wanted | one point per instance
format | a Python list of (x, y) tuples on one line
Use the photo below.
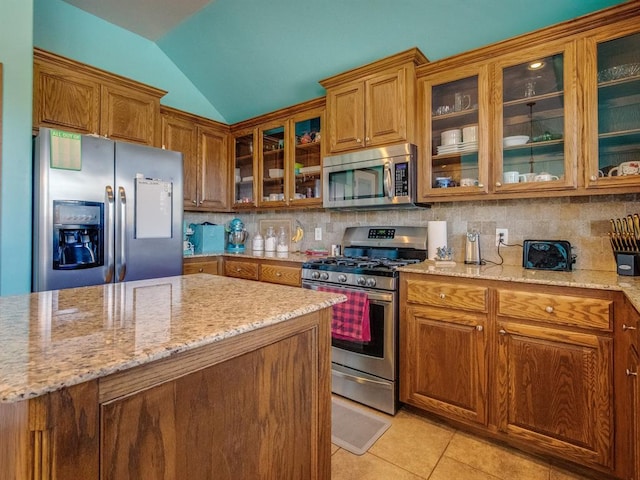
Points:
[(547, 255)]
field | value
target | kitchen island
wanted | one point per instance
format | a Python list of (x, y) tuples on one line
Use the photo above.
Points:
[(195, 376)]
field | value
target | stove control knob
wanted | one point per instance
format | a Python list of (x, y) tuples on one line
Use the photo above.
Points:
[(324, 276), (361, 281), (315, 275), (371, 282), (342, 278)]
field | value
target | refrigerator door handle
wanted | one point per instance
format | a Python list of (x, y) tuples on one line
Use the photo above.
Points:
[(122, 261), (108, 278)]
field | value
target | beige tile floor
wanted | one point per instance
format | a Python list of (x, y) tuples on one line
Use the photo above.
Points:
[(416, 448)]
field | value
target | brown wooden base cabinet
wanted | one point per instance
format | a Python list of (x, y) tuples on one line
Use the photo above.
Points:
[(210, 265), (530, 365), (188, 416), (264, 270)]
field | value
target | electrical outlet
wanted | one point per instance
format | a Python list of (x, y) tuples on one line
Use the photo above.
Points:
[(318, 233), (505, 236)]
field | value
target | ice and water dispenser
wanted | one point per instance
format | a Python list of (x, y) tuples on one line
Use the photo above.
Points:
[(78, 234)]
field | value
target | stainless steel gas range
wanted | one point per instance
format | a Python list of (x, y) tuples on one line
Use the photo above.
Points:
[(367, 372)]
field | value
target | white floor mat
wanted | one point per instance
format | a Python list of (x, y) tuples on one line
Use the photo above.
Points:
[(353, 428)]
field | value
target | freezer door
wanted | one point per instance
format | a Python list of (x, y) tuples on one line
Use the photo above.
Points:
[(148, 213), (59, 176)]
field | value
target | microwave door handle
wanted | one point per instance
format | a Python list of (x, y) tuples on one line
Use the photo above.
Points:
[(387, 184), (108, 234)]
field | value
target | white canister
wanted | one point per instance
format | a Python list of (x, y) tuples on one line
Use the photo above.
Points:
[(258, 243)]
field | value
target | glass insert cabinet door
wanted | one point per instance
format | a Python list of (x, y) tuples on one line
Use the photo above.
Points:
[(243, 179), (307, 161), (618, 113), (454, 136), (272, 166), (533, 139)]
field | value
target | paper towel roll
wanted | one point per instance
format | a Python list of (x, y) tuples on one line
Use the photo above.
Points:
[(436, 237)]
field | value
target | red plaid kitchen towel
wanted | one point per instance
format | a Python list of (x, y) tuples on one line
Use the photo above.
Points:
[(350, 319)]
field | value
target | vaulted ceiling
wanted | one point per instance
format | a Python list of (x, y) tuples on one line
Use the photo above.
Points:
[(249, 57)]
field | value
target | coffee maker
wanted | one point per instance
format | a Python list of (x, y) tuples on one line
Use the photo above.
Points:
[(236, 236)]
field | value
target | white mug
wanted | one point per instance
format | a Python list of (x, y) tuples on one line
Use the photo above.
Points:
[(527, 177), (186, 245), (625, 168), (511, 177), (545, 177)]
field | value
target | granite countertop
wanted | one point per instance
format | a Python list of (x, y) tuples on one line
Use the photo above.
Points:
[(64, 337), (297, 257), (578, 278)]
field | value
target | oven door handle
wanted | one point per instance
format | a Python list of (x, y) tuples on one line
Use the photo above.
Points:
[(360, 380), (374, 296)]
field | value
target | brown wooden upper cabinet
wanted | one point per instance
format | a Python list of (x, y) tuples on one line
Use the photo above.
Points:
[(76, 97), (555, 109), (277, 158), (611, 75), (203, 144), (373, 105)]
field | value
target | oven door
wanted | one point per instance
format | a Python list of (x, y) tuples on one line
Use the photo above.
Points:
[(378, 356)]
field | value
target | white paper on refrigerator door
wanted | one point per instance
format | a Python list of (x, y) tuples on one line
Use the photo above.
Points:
[(153, 208)]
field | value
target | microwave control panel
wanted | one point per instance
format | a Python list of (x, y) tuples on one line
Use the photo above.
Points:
[(402, 179)]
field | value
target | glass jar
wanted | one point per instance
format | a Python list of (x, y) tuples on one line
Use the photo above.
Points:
[(270, 240), (283, 241)]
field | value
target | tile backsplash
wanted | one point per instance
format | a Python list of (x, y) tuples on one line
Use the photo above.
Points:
[(583, 221)]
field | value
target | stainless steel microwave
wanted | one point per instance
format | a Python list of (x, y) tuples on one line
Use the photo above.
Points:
[(371, 178)]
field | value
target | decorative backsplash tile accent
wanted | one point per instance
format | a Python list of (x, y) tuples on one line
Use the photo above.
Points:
[(583, 221)]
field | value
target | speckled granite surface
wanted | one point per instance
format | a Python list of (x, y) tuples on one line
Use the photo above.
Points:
[(287, 257), (578, 278), (64, 337)]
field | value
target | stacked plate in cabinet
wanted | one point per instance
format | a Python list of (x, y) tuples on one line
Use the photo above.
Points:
[(461, 147)]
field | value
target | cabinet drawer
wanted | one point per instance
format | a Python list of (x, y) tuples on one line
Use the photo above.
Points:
[(449, 295), (234, 268), (281, 274), (210, 267), (556, 308)]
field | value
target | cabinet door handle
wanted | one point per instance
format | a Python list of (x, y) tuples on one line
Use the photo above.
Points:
[(278, 274), (502, 331), (200, 270), (627, 327), (358, 140), (630, 373), (479, 328), (548, 309), (593, 178), (366, 139), (194, 202), (498, 184), (481, 185), (442, 296), (238, 269)]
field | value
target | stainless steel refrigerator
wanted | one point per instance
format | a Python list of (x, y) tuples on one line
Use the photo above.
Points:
[(103, 211)]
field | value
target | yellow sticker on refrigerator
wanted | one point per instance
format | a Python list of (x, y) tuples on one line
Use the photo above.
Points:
[(66, 150)]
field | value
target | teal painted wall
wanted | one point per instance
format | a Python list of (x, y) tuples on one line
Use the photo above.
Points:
[(16, 49), (66, 30)]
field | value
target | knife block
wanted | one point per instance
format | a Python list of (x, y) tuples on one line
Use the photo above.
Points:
[(628, 263)]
